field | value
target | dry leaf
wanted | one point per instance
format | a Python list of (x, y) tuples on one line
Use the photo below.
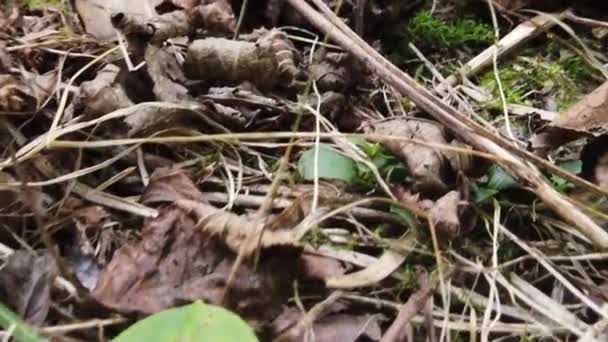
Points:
[(95, 14), (588, 117), (215, 16), (14, 95), (332, 72), (166, 74), (428, 165), (332, 327), (452, 215), (321, 267), (231, 62), (174, 263), (104, 94), (179, 259), (25, 284), (236, 230), (150, 120), (169, 185)]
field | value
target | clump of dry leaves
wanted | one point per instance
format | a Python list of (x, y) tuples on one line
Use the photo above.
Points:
[(152, 153)]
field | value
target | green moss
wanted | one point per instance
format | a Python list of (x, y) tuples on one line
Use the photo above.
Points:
[(508, 251), (408, 279), (316, 237), (429, 29), (33, 4), (530, 80)]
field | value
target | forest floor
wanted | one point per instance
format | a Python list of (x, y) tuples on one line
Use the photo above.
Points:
[(284, 170)]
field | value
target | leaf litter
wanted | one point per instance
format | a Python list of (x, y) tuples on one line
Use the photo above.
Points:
[(162, 153)]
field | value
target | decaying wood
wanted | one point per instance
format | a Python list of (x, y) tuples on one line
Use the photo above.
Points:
[(472, 132)]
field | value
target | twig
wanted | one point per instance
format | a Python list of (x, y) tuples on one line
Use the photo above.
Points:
[(313, 314), (414, 304), (94, 323)]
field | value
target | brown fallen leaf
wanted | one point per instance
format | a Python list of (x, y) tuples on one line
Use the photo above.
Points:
[(265, 58), (452, 215), (332, 72), (175, 263), (13, 95), (168, 185), (321, 267), (104, 94), (166, 75), (96, 15), (178, 261), (235, 229), (428, 165), (588, 117), (331, 327), (148, 121), (25, 284), (216, 16)]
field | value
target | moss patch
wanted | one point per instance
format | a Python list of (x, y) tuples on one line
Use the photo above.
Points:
[(533, 80), (429, 29)]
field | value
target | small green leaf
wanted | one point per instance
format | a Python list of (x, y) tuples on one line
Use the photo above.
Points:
[(500, 180), (483, 195), (191, 323), (571, 166), (332, 165)]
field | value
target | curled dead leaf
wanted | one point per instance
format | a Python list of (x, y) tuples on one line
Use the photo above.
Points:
[(452, 215), (332, 72), (104, 93), (585, 118), (14, 95), (215, 16), (25, 284), (166, 74), (428, 165), (265, 59), (96, 16), (236, 230), (588, 115)]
